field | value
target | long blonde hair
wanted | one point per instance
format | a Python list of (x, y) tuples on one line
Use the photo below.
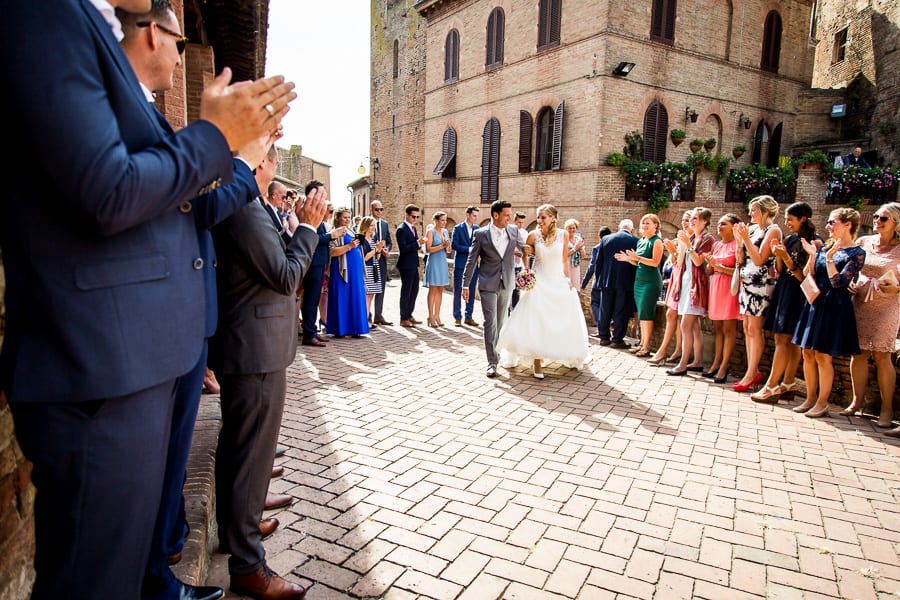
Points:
[(550, 210)]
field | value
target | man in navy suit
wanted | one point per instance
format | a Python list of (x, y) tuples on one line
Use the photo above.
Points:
[(312, 281), (408, 243), (461, 241), (154, 59), (612, 296), (105, 296), (382, 232)]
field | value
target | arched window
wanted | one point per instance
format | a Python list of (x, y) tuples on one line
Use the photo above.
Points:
[(760, 143), (771, 49), (656, 126), (396, 58), (549, 17), (495, 29), (662, 21), (774, 152), (490, 162), (451, 57)]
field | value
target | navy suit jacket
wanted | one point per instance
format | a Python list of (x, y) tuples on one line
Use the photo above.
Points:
[(320, 256), (105, 294), (606, 270), (408, 248), (461, 243)]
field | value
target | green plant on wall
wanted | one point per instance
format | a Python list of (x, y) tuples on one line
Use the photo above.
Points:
[(659, 200), (856, 202), (634, 145), (616, 159)]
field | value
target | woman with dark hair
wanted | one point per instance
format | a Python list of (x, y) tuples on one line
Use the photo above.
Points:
[(877, 309), (724, 310), (757, 264), (693, 290), (827, 327), (787, 302)]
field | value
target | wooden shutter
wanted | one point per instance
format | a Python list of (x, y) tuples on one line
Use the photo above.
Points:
[(490, 161), (556, 152), (543, 24), (396, 58), (656, 124), (662, 21), (495, 32), (448, 151), (526, 124), (774, 150), (451, 57), (555, 19), (771, 50)]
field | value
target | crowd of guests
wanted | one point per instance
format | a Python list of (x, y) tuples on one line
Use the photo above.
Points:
[(818, 298)]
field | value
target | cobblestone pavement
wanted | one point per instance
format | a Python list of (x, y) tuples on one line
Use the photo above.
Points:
[(415, 476)]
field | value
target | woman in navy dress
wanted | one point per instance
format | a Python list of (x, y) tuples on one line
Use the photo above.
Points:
[(347, 314), (827, 327), (787, 302)]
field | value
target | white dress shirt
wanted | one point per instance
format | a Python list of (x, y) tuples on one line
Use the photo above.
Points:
[(500, 238)]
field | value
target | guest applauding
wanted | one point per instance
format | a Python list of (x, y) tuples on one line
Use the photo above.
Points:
[(723, 305), (370, 250), (574, 251), (877, 308), (673, 267), (827, 327), (787, 302), (437, 274), (347, 313), (693, 290), (757, 267), (647, 280)]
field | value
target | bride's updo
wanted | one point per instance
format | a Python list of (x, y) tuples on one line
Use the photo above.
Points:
[(550, 237)]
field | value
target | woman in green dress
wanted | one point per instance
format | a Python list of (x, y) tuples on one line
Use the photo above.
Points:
[(647, 280)]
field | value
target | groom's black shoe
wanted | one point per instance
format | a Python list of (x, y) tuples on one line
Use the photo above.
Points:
[(492, 371)]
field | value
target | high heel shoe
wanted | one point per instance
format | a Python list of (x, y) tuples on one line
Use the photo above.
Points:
[(802, 408), (657, 362), (767, 395), (721, 379), (673, 358), (851, 411), (537, 374), (754, 383), (711, 373), (642, 353), (817, 414), (432, 323)]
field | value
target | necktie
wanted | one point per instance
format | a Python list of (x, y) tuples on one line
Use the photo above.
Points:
[(378, 231)]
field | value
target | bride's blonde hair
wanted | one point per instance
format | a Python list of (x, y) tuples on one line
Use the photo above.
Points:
[(550, 237)]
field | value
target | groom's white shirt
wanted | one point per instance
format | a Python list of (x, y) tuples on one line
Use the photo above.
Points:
[(500, 239)]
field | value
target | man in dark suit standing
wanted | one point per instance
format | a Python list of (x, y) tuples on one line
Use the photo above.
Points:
[(315, 275), (154, 63), (408, 243), (382, 232), (104, 297), (258, 278), (612, 296), (461, 242)]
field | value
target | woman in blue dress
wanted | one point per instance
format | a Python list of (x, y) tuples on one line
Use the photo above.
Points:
[(827, 327), (437, 275), (347, 314)]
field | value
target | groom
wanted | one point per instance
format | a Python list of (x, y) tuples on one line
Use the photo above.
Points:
[(493, 251)]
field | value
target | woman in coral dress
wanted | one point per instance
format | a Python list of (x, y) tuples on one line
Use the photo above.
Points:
[(724, 310)]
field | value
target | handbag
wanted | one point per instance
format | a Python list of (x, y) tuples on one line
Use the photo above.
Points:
[(810, 289), (736, 280)]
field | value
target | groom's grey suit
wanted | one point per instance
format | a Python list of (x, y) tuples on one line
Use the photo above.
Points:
[(496, 281)]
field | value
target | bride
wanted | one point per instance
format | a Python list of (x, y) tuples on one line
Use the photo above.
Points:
[(552, 300)]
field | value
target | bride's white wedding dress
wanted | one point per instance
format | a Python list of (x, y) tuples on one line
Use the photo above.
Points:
[(547, 322)]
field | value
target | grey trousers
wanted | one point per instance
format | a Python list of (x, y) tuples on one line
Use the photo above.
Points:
[(252, 406), (494, 307)]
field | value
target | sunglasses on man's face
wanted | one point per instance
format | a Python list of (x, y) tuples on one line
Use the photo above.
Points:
[(180, 40)]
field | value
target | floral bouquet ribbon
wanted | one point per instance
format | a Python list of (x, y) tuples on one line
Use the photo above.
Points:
[(526, 279)]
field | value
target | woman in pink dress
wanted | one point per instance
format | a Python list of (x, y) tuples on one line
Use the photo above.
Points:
[(877, 307), (724, 310), (673, 324)]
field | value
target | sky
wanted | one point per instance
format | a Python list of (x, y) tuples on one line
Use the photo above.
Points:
[(323, 47)]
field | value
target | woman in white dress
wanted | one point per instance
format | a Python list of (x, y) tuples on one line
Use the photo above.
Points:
[(553, 299)]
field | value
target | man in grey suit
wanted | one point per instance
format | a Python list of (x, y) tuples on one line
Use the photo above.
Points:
[(258, 278), (494, 252)]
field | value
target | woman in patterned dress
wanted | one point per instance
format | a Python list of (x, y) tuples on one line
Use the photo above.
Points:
[(757, 266), (787, 303), (877, 307), (827, 327)]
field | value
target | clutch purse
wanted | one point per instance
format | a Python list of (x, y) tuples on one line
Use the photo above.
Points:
[(810, 289), (736, 280)]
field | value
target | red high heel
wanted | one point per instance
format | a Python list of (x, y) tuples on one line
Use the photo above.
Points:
[(754, 384)]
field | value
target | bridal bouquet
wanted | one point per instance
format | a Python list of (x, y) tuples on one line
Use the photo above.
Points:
[(526, 279)]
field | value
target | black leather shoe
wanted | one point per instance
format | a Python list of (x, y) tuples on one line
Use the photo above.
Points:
[(604, 341), (676, 373), (181, 591), (618, 345), (695, 368), (491, 371)]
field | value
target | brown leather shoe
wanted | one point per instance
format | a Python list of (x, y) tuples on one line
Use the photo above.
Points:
[(471, 321), (322, 338), (312, 342), (381, 321), (274, 501), (277, 471), (406, 324), (268, 526), (414, 321), (265, 584)]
